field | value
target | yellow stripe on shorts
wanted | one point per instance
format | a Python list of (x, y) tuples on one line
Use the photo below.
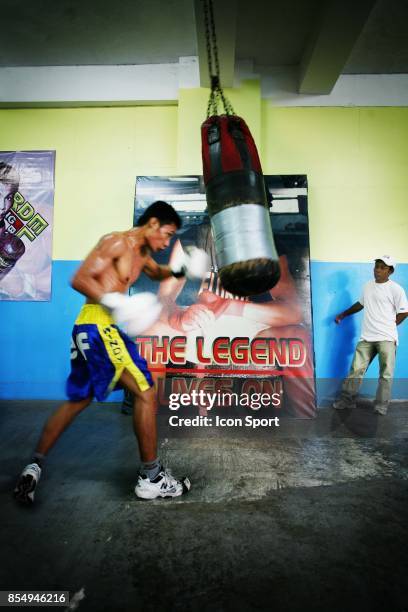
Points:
[(120, 357), (94, 314)]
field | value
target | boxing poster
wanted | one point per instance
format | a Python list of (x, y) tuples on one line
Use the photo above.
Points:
[(212, 350), (26, 216)]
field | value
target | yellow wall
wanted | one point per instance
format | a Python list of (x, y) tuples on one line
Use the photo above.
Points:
[(356, 160), (99, 152)]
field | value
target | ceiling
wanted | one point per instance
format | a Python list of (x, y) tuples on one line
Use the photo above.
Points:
[(336, 36)]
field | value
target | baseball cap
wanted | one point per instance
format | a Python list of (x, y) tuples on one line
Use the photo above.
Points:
[(387, 259)]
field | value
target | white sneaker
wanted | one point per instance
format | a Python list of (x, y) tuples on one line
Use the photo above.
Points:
[(164, 485), (27, 483), (380, 409)]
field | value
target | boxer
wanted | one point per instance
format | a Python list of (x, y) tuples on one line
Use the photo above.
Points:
[(103, 357)]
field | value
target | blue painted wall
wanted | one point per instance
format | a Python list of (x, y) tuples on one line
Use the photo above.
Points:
[(35, 339), (335, 287), (35, 336)]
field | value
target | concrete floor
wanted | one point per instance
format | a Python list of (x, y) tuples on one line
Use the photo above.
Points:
[(308, 516)]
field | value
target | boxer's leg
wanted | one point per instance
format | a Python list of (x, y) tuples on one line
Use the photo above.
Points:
[(158, 329), (144, 417), (56, 424), (154, 481)]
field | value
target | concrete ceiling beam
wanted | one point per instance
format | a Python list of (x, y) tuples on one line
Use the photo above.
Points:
[(338, 27)]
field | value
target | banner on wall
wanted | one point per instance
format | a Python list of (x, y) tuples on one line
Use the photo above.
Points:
[(218, 350), (26, 218)]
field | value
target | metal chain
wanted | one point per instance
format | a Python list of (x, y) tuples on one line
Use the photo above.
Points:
[(217, 93)]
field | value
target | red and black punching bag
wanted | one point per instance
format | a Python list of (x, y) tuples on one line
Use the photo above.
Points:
[(238, 207)]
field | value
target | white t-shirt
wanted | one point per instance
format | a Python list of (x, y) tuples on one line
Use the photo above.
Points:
[(382, 302)]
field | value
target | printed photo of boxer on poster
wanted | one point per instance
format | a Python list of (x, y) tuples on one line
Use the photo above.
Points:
[(233, 347), (26, 215)]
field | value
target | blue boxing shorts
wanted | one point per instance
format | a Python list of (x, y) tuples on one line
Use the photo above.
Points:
[(100, 352)]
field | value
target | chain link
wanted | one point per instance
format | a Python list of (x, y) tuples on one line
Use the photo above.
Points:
[(217, 95)]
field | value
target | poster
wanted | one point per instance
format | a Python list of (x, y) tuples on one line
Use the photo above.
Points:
[(26, 217), (220, 351)]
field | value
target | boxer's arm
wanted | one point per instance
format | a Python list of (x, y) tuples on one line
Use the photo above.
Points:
[(192, 263), (89, 278), (172, 287), (156, 271)]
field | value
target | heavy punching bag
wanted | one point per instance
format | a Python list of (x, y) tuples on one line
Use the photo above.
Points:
[(245, 250), (238, 207)]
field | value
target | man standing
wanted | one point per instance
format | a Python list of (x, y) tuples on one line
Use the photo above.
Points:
[(385, 307), (103, 356)]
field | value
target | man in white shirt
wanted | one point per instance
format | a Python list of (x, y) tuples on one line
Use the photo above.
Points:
[(385, 306)]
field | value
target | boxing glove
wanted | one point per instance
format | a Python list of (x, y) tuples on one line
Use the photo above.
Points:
[(192, 262), (133, 314), (11, 249)]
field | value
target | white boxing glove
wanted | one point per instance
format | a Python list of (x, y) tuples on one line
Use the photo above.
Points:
[(133, 314), (192, 262)]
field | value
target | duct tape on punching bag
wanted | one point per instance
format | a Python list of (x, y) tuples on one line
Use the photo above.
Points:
[(238, 207)]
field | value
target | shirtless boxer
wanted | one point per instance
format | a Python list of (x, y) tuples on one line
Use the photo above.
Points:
[(103, 357)]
